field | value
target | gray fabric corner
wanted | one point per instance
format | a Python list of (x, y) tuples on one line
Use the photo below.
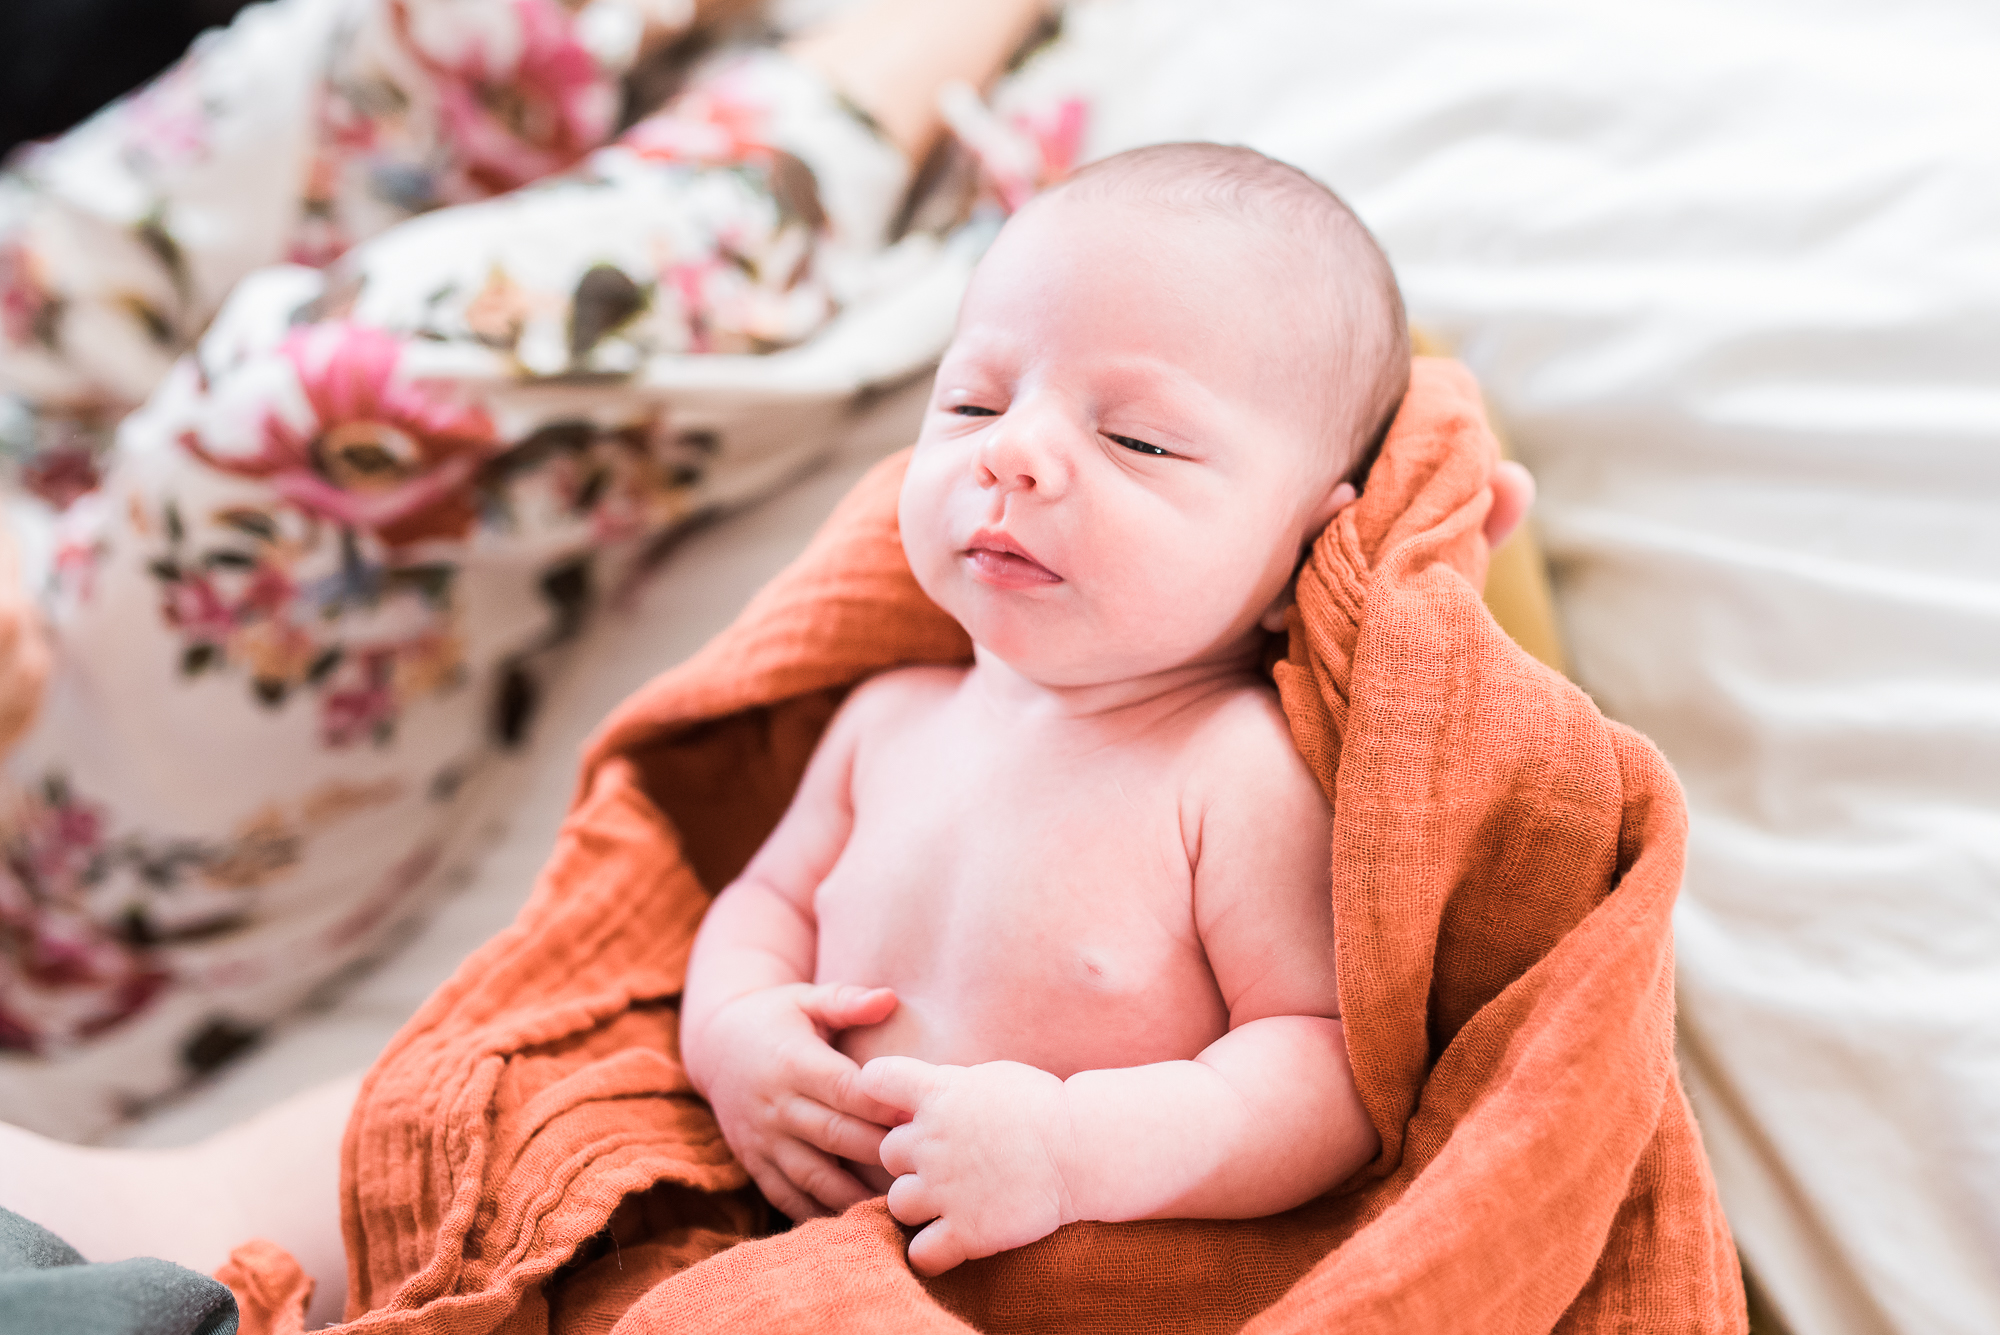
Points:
[(47, 1288)]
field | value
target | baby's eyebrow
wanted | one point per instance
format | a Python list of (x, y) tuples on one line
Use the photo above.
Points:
[(1175, 386), (982, 344)]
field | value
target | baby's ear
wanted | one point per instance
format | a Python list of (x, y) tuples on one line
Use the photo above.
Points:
[(1343, 496), (1513, 492)]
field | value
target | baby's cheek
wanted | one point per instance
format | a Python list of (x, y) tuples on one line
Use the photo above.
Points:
[(920, 518), (1179, 618), (1218, 584)]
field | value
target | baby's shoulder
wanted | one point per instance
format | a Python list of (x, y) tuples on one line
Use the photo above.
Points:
[(898, 697), (1246, 766), (1246, 725)]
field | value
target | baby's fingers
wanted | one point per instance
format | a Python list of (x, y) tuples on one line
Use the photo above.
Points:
[(937, 1249), (829, 1188), (910, 1201), (784, 1197), (847, 1006), (898, 1151), (823, 1074), (899, 1082), (834, 1131)]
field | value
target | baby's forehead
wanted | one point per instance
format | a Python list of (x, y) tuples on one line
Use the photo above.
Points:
[(1117, 249), (1132, 271)]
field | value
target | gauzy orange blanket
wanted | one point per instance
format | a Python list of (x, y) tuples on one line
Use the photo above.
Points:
[(527, 1156)]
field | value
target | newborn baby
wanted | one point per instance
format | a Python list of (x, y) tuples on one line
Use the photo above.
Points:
[(1050, 937)]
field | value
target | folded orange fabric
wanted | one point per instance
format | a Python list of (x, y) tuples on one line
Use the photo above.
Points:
[(528, 1156)]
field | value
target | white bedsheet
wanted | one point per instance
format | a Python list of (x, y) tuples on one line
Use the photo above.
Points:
[(1731, 277), (1730, 274)]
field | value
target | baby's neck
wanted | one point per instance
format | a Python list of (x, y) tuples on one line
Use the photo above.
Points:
[(1130, 701)]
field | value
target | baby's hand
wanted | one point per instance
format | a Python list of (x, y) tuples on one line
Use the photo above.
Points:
[(787, 1102), (977, 1158)]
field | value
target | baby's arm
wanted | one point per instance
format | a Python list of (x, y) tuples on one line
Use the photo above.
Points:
[(754, 1028), (1263, 1119)]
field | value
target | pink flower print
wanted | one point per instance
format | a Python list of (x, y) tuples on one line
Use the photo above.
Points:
[(1058, 135), (60, 474), (68, 979), (62, 842), (268, 592), (352, 711), (381, 453), (516, 120), (690, 281), (193, 607), (349, 122), (713, 124), (1027, 152), (29, 308), (67, 952), (63, 975)]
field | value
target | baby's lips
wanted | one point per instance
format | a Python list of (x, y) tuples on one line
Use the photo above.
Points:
[(999, 560), (1007, 571)]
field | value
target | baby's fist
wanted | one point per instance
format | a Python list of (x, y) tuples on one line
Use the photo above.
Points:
[(980, 1160)]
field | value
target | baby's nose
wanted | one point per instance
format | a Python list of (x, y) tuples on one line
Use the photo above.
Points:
[(994, 474), (1024, 456)]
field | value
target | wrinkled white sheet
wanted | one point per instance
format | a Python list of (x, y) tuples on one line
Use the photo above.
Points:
[(1731, 277)]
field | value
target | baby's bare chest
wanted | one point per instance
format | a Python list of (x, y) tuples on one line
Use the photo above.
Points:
[(1024, 907)]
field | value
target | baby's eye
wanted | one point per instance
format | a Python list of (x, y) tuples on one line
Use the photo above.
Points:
[(1137, 446), (974, 410)]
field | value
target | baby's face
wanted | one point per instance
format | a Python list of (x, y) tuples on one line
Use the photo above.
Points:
[(1122, 455)]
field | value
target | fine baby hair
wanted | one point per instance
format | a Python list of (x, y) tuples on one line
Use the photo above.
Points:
[(1348, 305)]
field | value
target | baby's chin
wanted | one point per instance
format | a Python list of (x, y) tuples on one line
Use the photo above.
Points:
[(1062, 667), (1058, 647)]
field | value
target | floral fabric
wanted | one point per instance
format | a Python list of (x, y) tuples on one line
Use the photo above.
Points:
[(312, 581), (304, 128)]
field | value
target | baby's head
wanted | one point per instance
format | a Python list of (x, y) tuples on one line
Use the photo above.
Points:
[(1168, 375)]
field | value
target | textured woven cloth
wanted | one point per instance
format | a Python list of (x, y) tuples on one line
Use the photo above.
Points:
[(528, 1156)]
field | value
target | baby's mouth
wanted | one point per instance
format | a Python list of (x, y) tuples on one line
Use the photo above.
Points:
[(998, 560)]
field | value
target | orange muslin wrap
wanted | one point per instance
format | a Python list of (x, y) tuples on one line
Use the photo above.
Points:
[(527, 1155)]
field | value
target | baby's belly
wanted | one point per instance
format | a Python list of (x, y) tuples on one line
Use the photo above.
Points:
[(1053, 938), (1065, 1008)]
